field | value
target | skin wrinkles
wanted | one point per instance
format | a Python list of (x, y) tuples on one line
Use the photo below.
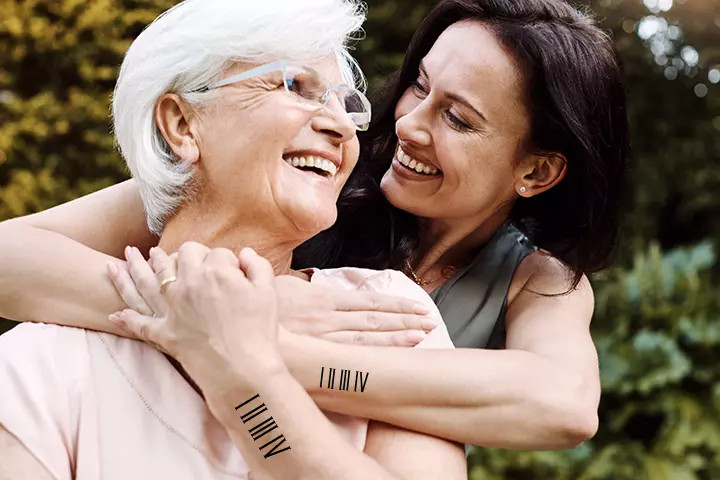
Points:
[(242, 139), (423, 89)]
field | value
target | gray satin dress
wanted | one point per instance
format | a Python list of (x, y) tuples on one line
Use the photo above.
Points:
[(474, 301)]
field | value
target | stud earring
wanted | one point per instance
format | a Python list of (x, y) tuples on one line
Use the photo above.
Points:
[(523, 189)]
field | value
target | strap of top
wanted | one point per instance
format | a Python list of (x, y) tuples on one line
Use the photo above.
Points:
[(474, 301)]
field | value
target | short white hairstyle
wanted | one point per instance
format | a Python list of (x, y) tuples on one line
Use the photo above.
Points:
[(191, 45)]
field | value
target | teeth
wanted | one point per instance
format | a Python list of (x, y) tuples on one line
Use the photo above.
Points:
[(413, 164), (314, 162)]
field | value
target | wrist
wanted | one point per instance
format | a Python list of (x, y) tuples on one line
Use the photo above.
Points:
[(222, 401)]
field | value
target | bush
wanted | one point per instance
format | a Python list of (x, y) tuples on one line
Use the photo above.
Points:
[(657, 329)]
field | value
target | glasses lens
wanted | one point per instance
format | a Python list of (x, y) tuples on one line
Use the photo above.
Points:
[(310, 85), (306, 83), (358, 109)]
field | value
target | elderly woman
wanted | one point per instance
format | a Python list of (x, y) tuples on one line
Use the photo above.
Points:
[(499, 152), (207, 93)]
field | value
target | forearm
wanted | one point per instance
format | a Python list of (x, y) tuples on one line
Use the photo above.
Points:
[(47, 277), (301, 443), (507, 399)]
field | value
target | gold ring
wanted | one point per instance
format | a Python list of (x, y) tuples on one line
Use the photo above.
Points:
[(167, 281)]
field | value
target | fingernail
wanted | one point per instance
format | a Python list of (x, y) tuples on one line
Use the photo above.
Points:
[(422, 309), (152, 251), (114, 317), (127, 251), (112, 269), (416, 336), (429, 323)]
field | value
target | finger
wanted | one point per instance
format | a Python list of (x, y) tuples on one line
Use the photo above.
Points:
[(165, 265), (190, 257), (373, 301), (125, 287), (144, 279), (257, 269), (221, 257), (373, 321), (377, 339), (142, 327)]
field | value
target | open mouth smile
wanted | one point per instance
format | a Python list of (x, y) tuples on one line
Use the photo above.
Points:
[(416, 166), (313, 164)]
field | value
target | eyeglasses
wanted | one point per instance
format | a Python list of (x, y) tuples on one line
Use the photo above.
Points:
[(311, 87)]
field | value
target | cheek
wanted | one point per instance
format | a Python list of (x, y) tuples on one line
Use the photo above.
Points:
[(472, 165), (351, 154)]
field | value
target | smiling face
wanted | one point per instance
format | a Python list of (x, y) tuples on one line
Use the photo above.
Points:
[(462, 128), (252, 143)]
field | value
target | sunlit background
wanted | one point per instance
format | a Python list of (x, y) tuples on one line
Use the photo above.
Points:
[(657, 322)]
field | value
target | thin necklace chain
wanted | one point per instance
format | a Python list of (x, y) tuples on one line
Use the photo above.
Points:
[(415, 278)]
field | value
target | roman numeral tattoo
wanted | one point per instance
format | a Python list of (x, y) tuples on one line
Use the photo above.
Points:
[(263, 427), (344, 379)]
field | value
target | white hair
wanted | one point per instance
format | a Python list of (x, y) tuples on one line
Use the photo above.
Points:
[(188, 47)]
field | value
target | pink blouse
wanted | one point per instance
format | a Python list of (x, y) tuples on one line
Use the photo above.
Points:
[(92, 406)]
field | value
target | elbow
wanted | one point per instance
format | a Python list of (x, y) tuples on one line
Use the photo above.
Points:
[(565, 429), (578, 428), (575, 413)]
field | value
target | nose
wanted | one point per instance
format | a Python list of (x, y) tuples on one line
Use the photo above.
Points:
[(413, 125), (333, 120)]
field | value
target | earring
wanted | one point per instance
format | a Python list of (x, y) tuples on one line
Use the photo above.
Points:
[(523, 189)]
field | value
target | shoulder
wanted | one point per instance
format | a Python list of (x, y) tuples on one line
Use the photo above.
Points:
[(44, 371), (542, 273), (389, 282), (38, 359), (62, 346)]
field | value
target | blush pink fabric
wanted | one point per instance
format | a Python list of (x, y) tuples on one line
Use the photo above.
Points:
[(92, 406)]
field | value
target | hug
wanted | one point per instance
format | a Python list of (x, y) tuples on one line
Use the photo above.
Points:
[(437, 241)]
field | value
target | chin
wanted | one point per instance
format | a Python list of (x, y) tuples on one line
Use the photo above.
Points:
[(315, 221), (399, 197)]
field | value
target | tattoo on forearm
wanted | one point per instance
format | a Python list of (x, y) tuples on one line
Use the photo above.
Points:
[(344, 383), (262, 428)]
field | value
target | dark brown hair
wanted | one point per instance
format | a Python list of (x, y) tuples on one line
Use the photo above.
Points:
[(578, 109)]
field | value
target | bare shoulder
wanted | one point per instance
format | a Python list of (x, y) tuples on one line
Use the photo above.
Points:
[(18, 462), (540, 273)]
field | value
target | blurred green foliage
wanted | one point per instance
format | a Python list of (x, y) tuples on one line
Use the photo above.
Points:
[(657, 321), (657, 329)]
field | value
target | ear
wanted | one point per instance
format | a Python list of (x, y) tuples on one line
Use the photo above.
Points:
[(175, 119), (539, 172)]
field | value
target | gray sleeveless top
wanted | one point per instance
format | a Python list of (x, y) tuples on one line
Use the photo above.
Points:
[(474, 301)]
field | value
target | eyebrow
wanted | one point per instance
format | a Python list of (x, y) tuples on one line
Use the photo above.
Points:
[(455, 97)]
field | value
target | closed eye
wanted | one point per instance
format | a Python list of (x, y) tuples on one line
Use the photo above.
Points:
[(419, 89), (456, 122)]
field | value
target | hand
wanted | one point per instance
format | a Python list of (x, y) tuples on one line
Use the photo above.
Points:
[(220, 313), (360, 318), (122, 279)]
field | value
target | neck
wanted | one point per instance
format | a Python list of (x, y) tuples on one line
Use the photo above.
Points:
[(219, 228), (453, 242)]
